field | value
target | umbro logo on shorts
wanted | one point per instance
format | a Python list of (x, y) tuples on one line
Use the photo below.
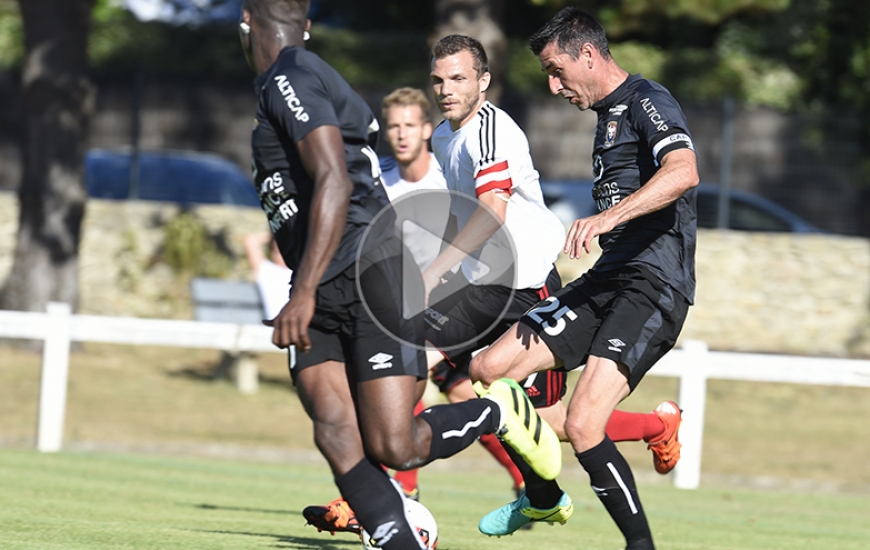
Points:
[(381, 361)]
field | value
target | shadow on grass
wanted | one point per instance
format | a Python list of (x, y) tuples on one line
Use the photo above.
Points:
[(245, 509), (297, 543), (218, 371)]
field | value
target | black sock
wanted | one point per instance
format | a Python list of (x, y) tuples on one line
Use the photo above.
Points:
[(458, 425), (378, 506), (542, 493), (612, 481)]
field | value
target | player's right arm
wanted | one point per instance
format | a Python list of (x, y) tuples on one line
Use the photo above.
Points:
[(487, 218)]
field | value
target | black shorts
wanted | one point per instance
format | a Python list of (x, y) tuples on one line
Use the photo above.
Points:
[(344, 330), (626, 315), (475, 317)]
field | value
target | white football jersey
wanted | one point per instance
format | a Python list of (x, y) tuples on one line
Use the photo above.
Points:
[(492, 152), (395, 186), (423, 244)]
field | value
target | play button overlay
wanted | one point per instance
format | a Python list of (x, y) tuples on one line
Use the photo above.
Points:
[(402, 244)]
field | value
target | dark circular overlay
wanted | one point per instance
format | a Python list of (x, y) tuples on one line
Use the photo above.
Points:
[(404, 239)]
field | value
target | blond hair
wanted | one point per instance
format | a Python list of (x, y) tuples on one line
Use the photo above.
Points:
[(406, 97)]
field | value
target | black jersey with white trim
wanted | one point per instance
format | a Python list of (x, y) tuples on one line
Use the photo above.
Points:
[(299, 93), (638, 124)]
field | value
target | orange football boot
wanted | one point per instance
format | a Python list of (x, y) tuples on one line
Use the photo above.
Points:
[(335, 516), (666, 446)]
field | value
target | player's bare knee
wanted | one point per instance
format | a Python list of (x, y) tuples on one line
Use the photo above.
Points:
[(582, 434), (482, 369), (575, 429)]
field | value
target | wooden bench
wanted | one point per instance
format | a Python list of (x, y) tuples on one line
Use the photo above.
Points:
[(237, 302)]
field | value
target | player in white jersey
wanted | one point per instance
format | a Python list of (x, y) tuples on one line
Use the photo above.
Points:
[(406, 117), (405, 113), (487, 157)]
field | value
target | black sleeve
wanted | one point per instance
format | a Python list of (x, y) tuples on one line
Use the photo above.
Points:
[(297, 102), (660, 123)]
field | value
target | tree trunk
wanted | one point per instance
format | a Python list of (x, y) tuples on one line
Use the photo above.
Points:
[(58, 100), (480, 19)]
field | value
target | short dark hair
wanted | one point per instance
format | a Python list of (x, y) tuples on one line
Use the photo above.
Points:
[(455, 43), (570, 29), (282, 12)]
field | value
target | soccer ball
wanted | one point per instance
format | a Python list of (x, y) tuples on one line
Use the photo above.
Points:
[(421, 518)]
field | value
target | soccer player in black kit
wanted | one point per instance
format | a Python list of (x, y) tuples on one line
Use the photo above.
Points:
[(318, 181), (626, 312)]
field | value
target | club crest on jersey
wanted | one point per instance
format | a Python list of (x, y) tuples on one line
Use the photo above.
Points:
[(610, 135)]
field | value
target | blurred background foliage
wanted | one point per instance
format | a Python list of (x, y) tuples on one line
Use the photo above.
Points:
[(793, 55), (190, 250), (787, 54)]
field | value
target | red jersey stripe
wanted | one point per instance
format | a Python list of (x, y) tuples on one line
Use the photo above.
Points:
[(504, 185), (497, 167)]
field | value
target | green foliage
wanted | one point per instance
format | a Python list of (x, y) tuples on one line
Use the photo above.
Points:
[(374, 59), (637, 57), (767, 52), (708, 11), (11, 35), (702, 75), (120, 46), (524, 72), (190, 251)]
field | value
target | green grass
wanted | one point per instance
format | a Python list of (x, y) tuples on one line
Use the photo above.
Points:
[(162, 403), (114, 501)]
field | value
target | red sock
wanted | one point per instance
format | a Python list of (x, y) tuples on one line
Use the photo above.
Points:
[(626, 426), (408, 479), (493, 445)]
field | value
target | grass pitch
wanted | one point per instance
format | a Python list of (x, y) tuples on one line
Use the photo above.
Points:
[(163, 401), (114, 501)]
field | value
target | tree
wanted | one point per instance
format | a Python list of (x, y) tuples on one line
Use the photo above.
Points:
[(481, 19), (58, 100)]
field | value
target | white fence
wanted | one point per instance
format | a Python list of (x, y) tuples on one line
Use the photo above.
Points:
[(693, 364)]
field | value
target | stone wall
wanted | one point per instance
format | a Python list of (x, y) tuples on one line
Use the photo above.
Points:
[(778, 293)]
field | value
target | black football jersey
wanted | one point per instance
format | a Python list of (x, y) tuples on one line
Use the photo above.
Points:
[(299, 93), (638, 124)]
